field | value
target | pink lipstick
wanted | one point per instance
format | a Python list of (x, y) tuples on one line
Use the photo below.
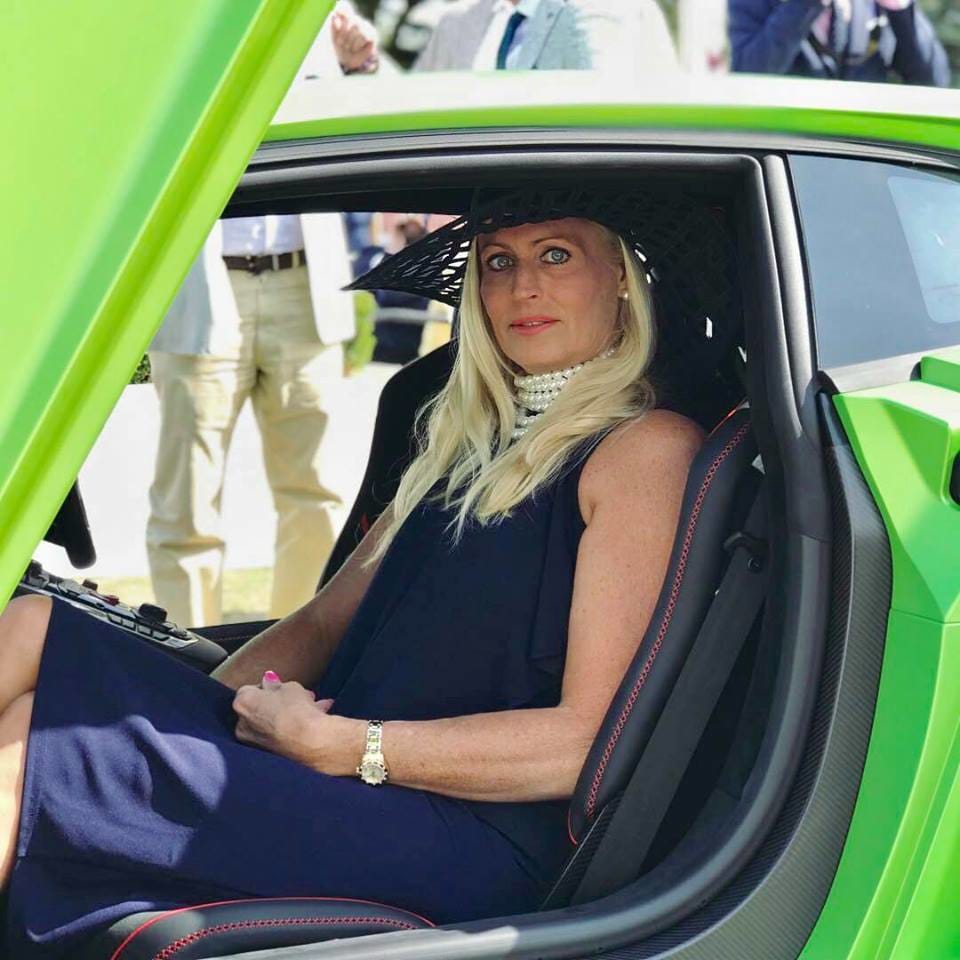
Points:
[(528, 326)]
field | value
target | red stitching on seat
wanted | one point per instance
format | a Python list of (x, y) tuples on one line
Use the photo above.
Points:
[(729, 416), (177, 945), (258, 900), (665, 623)]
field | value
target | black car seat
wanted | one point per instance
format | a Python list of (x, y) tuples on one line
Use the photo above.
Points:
[(709, 606), (721, 486), (392, 446)]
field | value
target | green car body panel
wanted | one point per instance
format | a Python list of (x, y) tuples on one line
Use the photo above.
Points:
[(111, 182), (797, 107), (895, 892), (118, 176)]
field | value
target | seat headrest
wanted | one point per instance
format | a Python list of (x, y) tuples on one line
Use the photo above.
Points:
[(712, 494)]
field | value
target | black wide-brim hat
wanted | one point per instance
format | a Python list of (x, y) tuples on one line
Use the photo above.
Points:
[(434, 266), (685, 240)]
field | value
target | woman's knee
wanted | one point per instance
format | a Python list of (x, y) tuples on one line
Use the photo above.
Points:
[(15, 721), (23, 627), (30, 612), (14, 731)]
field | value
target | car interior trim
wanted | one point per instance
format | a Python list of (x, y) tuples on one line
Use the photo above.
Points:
[(340, 184)]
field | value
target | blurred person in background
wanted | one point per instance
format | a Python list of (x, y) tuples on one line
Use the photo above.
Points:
[(837, 39), (261, 316), (604, 35), (397, 341), (359, 231)]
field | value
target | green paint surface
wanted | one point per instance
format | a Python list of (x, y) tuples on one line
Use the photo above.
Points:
[(130, 125), (895, 892), (931, 131), (943, 370), (920, 426)]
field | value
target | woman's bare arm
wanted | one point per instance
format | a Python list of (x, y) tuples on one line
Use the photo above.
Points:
[(300, 646), (630, 496)]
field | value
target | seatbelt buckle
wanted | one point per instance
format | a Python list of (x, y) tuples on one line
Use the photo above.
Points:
[(754, 546)]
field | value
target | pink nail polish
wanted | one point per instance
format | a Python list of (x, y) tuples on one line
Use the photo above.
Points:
[(270, 676)]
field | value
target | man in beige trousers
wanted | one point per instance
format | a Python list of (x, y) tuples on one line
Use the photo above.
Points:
[(261, 316)]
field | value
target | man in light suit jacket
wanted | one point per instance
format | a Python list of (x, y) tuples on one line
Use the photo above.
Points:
[(608, 35), (261, 316)]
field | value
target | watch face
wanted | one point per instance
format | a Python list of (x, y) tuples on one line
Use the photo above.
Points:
[(372, 771)]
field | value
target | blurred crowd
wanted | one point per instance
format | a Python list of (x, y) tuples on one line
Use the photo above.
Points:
[(870, 40), (263, 317)]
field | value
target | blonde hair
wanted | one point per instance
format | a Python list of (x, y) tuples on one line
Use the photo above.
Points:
[(464, 433)]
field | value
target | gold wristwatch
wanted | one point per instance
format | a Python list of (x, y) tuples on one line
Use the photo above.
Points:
[(373, 766)]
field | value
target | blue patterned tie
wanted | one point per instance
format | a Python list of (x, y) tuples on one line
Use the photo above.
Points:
[(507, 42)]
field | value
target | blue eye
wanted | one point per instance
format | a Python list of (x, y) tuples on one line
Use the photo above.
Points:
[(499, 261), (556, 255)]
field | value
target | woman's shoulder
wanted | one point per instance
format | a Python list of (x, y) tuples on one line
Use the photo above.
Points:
[(660, 435), (654, 448)]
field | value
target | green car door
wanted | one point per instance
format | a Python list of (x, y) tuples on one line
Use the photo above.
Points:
[(882, 247), (126, 127)]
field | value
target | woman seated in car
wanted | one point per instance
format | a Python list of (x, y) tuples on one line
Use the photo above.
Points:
[(465, 654)]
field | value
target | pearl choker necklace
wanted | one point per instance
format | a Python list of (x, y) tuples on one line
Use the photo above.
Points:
[(535, 392)]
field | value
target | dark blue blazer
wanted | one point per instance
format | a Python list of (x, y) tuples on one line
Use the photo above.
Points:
[(775, 36)]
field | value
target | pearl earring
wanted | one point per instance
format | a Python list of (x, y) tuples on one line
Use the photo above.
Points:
[(625, 296)]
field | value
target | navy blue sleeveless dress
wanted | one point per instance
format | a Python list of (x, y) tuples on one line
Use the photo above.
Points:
[(138, 797)]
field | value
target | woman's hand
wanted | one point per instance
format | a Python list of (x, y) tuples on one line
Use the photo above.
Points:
[(286, 719)]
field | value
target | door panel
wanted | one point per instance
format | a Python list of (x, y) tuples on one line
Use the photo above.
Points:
[(900, 857)]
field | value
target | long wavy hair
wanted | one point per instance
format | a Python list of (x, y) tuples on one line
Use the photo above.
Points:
[(464, 433)]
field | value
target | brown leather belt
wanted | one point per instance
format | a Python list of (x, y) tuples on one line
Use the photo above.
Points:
[(268, 261)]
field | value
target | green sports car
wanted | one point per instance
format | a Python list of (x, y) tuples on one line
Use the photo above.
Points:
[(804, 251)]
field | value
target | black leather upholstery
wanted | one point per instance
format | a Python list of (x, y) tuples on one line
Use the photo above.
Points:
[(714, 484), (239, 926)]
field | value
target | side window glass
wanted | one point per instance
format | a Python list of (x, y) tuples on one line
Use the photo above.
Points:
[(930, 213), (251, 416), (882, 247)]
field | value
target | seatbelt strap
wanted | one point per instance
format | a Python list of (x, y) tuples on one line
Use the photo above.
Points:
[(645, 801)]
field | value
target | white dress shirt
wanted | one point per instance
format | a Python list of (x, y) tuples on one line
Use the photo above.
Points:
[(204, 319), (486, 57), (255, 236)]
